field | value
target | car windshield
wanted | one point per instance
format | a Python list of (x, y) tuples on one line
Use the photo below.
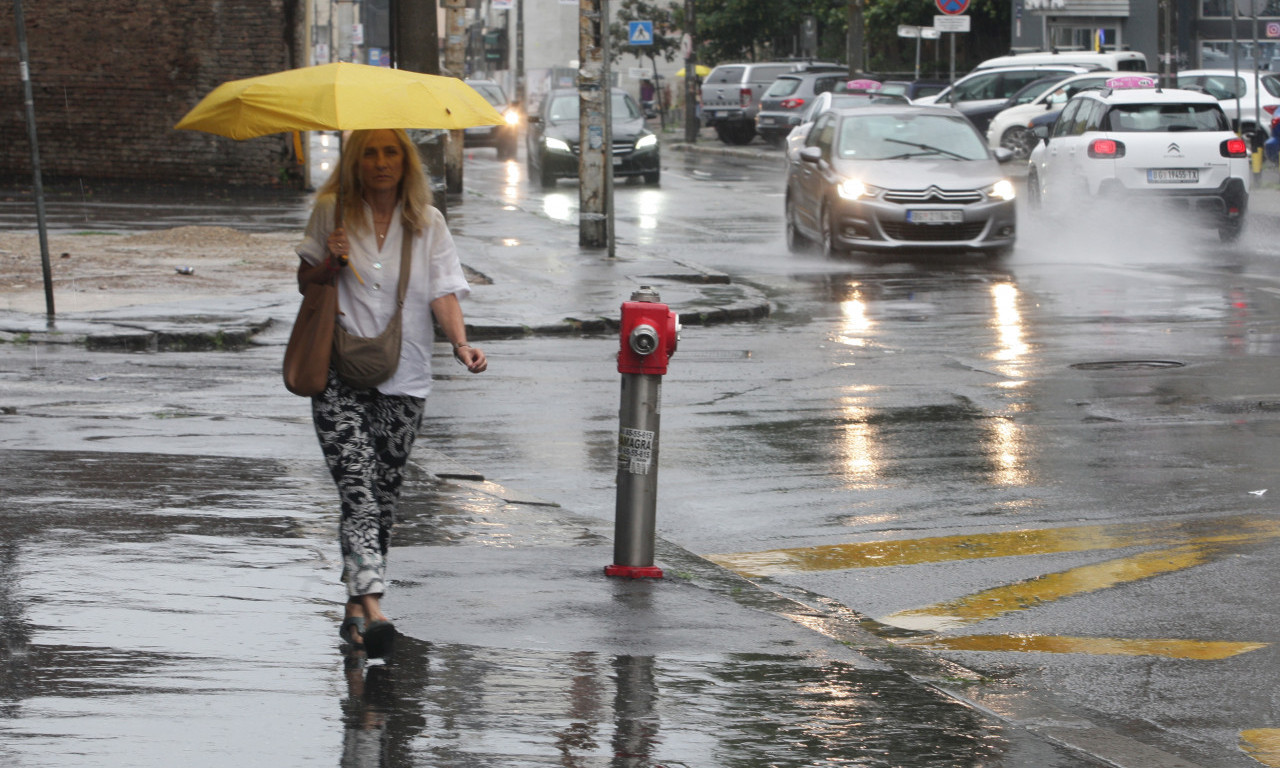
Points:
[(491, 93), (899, 137), (1148, 118), (565, 107)]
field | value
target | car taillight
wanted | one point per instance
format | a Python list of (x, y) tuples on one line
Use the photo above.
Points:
[(792, 103), (1234, 148), (744, 97), (1106, 149), (1270, 109)]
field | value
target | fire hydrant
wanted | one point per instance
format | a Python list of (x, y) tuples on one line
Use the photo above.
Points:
[(649, 333)]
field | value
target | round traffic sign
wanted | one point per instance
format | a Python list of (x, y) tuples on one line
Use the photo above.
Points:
[(952, 7)]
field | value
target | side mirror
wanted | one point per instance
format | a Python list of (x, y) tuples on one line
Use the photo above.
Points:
[(1003, 155), (1042, 132), (811, 154)]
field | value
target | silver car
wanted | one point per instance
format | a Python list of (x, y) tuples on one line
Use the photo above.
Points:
[(899, 178)]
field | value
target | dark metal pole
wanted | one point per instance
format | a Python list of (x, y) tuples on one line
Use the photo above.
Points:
[(691, 79), (38, 181)]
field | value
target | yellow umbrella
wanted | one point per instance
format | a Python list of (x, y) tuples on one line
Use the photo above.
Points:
[(338, 97), (701, 69)]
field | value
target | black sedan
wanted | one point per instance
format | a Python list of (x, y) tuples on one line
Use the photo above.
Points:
[(553, 138)]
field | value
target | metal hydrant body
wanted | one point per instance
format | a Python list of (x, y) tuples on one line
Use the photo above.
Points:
[(649, 333)]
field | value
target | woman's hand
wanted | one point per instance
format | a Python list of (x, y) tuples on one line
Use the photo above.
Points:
[(471, 357), (338, 245)]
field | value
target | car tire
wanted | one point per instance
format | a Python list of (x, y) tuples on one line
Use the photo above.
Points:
[(796, 242), (830, 246), (1019, 140), (507, 150), (737, 134), (546, 178), (1229, 231), (652, 179)]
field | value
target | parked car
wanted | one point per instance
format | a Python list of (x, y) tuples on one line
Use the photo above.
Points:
[(731, 94), (553, 138), (504, 138), (979, 91), (898, 178), (1225, 86), (913, 89), (783, 103), (1114, 61), (981, 117), (1010, 127), (1133, 141)]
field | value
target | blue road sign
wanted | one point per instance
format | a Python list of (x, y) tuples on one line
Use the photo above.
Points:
[(640, 32)]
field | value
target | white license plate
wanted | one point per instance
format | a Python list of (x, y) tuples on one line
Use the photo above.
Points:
[(768, 120), (935, 217), (1173, 176), (479, 130), (617, 161)]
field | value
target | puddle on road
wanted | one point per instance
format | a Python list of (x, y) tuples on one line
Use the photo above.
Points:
[(463, 705)]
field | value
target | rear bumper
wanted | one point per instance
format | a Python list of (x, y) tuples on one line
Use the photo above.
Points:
[(1229, 200)]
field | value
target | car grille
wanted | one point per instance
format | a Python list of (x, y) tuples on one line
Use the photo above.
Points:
[(619, 148), (932, 195), (920, 233)]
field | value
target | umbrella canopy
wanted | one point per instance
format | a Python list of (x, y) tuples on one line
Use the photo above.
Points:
[(338, 97), (701, 69)]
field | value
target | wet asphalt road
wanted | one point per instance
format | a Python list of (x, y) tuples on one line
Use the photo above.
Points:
[(1004, 458)]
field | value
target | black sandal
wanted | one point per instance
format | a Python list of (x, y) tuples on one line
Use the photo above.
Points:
[(380, 640), (344, 631)]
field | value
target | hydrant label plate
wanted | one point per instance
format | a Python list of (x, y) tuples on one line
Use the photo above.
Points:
[(635, 450)]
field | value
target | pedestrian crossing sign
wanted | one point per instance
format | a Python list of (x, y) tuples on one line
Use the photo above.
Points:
[(640, 33)]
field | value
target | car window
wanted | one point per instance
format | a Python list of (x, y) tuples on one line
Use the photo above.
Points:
[(885, 137), (624, 107), (564, 107), (491, 93), (721, 75), (1139, 118), (977, 88), (816, 107), (827, 84), (823, 133), (1080, 123), (1063, 125), (894, 89), (1220, 86), (1272, 84), (1012, 82), (783, 86), (1092, 120), (767, 73)]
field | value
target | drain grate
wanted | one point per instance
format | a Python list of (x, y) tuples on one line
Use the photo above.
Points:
[(1126, 365)]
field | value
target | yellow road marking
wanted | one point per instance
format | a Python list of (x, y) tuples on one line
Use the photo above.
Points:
[(1199, 650), (998, 601), (877, 554), (1263, 745)]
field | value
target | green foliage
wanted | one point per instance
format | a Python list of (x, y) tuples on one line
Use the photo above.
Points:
[(666, 32)]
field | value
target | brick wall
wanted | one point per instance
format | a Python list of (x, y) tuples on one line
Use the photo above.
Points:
[(110, 78)]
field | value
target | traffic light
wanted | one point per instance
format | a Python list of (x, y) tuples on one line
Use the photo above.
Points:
[(495, 48)]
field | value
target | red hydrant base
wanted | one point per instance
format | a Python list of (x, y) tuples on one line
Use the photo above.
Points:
[(634, 571)]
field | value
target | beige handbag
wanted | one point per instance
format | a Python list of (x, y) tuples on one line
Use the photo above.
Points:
[(306, 359), (364, 362)]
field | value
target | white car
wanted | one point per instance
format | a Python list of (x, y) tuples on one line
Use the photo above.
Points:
[(1010, 129), (1218, 83), (1133, 141)]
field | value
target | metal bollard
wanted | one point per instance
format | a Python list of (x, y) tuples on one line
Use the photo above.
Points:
[(649, 334)]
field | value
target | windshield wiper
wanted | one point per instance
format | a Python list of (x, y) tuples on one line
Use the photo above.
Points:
[(930, 149)]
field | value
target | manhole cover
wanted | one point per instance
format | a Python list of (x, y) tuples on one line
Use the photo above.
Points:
[(1126, 365)]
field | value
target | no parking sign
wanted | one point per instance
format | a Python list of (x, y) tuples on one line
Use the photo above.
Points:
[(952, 7)]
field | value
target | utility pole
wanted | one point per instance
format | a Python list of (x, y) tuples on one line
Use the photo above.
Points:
[(455, 48), (417, 45), (520, 87), (688, 46), (856, 41), (594, 150)]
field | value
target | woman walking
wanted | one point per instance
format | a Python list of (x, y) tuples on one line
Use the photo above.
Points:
[(366, 432)]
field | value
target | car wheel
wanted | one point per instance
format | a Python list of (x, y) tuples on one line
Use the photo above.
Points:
[(652, 179), (1034, 193), (1229, 230), (507, 150), (1019, 140), (830, 246), (724, 133), (796, 241), (742, 135)]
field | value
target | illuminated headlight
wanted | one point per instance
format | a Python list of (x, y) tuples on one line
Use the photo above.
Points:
[(1001, 190), (557, 145), (852, 189), (645, 142), (512, 117)]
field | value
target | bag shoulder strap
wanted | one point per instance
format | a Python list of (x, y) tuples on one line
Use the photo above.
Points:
[(406, 266)]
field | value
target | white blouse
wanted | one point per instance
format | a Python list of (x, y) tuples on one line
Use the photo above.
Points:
[(365, 309)]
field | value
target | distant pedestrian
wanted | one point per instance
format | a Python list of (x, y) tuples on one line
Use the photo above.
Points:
[(366, 433), (646, 96)]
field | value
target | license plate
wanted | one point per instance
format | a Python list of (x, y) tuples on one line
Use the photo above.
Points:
[(768, 120), (478, 130), (617, 161), (714, 113), (1173, 176), (935, 217)]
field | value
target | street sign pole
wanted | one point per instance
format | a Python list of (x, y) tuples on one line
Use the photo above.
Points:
[(37, 178)]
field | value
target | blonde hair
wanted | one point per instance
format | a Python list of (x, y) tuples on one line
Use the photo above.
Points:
[(414, 192)]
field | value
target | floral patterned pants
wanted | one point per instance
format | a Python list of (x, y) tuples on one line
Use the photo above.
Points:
[(366, 437)]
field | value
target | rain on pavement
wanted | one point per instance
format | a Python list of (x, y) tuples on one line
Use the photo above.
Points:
[(779, 439)]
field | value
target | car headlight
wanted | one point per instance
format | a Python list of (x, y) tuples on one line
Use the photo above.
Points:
[(650, 140), (512, 117), (556, 145), (852, 189), (1001, 190)]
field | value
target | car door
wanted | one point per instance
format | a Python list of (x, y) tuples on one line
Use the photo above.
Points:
[(1054, 168), (808, 179)]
